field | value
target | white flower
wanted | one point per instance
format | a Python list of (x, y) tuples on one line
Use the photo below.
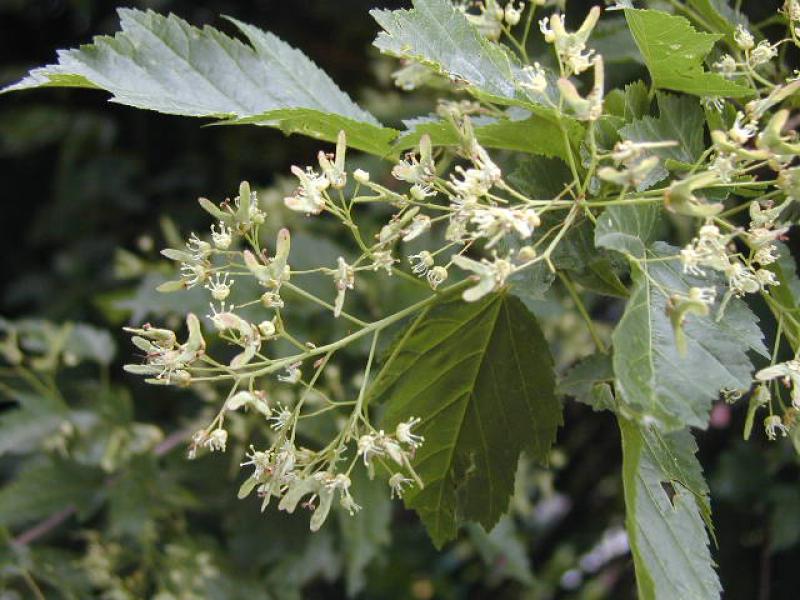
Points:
[(282, 420), (223, 238), (436, 276), (334, 171), (260, 461), (726, 66), (404, 435), (763, 53), (293, 374), (199, 249), (220, 287), (535, 79), (342, 483), (419, 225), (216, 440), (493, 222), (740, 133), (743, 38), (420, 263), (308, 196), (398, 484), (741, 279), (766, 255), (383, 260), (344, 279), (772, 425), (491, 276), (361, 176), (706, 295), (369, 446), (420, 172)]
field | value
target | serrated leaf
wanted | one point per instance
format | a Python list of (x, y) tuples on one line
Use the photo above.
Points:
[(631, 103), (530, 134), (436, 34), (589, 382), (590, 266), (718, 16), (480, 377), (91, 343), (667, 506), (680, 120), (366, 533), (37, 416), (787, 293), (502, 551), (165, 64), (654, 380), (627, 229), (45, 487), (674, 51)]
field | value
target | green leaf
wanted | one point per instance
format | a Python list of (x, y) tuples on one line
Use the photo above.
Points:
[(632, 103), (627, 229), (366, 533), (589, 382), (655, 382), (164, 64), (718, 16), (22, 429), (46, 487), (787, 293), (531, 134), (667, 506), (371, 138), (593, 268), (90, 343), (436, 34), (502, 551), (481, 378), (681, 120), (674, 51)]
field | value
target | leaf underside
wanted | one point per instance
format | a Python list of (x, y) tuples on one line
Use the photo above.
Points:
[(667, 512), (657, 383)]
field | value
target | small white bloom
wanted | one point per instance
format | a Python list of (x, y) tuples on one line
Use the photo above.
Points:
[(404, 435), (763, 53), (419, 225), (534, 79), (293, 374), (772, 426), (308, 196), (223, 238), (420, 263), (491, 276), (282, 420), (398, 484), (220, 287), (743, 38), (436, 276), (344, 279), (369, 447), (216, 440)]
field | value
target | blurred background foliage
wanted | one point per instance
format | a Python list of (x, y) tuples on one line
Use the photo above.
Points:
[(98, 499)]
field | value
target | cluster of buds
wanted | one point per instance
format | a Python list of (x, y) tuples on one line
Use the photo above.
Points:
[(166, 361)]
